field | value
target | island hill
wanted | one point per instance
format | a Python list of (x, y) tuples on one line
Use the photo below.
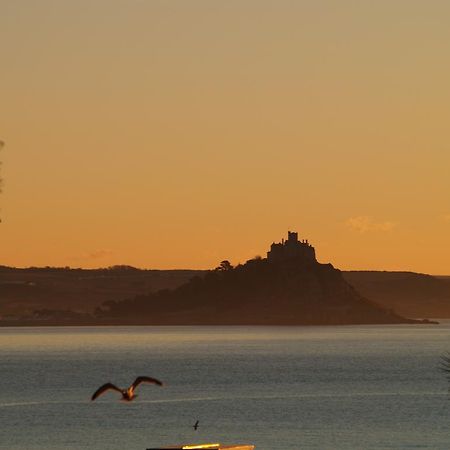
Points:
[(289, 287)]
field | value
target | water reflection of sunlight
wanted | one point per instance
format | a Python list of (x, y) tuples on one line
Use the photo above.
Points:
[(93, 338), (239, 397)]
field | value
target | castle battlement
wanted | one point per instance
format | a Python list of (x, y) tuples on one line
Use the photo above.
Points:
[(291, 248)]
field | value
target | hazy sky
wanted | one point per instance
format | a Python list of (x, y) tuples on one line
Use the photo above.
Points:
[(175, 134)]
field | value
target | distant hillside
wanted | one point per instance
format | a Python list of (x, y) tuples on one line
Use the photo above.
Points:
[(23, 291), (289, 287), (410, 294)]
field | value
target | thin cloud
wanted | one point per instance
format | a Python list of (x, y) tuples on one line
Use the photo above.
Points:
[(365, 224), (94, 254)]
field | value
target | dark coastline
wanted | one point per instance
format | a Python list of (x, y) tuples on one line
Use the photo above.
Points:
[(287, 288), (118, 323), (23, 291)]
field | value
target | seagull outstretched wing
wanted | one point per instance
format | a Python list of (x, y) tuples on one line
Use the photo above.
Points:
[(103, 389), (140, 380)]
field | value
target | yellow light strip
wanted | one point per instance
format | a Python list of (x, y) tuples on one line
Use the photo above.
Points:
[(204, 446)]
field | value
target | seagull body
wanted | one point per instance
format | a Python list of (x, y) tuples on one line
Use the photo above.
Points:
[(127, 394)]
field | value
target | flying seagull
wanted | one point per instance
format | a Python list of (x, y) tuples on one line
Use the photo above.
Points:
[(195, 426), (127, 394)]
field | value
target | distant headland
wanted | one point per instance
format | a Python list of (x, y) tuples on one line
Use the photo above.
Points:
[(288, 287)]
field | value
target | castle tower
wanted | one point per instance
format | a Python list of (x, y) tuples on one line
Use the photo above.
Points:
[(292, 236), (291, 249)]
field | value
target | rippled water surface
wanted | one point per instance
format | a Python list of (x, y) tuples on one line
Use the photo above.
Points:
[(356, 387)]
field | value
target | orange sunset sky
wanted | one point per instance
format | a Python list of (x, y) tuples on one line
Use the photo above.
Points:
[(176, 134)]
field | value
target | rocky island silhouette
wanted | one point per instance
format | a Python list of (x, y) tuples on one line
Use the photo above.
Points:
[(288, 287)]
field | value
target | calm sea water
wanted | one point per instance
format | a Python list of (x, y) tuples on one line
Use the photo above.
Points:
[(280, 388)]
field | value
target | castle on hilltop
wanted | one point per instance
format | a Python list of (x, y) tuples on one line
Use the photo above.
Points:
[(291, 248)]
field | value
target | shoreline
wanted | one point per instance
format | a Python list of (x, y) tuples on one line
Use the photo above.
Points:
[(96, 323)]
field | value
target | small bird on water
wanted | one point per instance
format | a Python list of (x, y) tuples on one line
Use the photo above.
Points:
[(128, 393)]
